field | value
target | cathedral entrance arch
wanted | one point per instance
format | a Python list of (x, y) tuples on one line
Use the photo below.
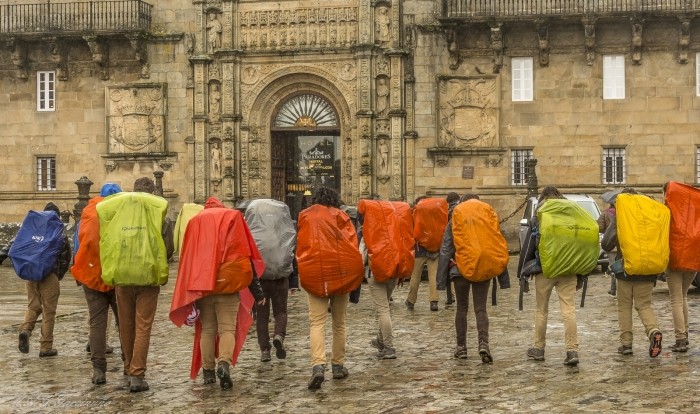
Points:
[(305, 151)]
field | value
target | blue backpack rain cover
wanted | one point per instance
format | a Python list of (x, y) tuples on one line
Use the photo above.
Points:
[(36, 247)]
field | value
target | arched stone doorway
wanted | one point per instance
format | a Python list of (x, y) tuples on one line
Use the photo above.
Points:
[(305, 151)]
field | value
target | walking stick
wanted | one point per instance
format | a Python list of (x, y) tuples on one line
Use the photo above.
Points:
[(493, 293), (583, 291), (522, 289)]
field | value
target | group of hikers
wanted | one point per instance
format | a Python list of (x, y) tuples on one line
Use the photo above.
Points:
[(236, 262)]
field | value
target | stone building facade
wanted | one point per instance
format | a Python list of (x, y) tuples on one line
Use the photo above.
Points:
[(394, 99)]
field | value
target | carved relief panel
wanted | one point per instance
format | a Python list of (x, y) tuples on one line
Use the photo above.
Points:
[(136, 118), (468, 111)]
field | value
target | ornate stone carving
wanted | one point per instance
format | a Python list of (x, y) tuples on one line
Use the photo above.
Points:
[(382, 96), (58, 56), (215, 161), (543, 44), (100, 55), (18, 55), (136, 118), (683, 40), (383, 161), (468, 112), (497, 45), (347, 72), (589, 42), (110, 166), (214, 31), (250, 75), (454, 58), (383, 26), (637, 27), (189, 43), (138, 43), (214, 72), (214, 101)]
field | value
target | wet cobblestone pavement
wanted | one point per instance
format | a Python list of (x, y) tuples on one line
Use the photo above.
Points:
[(424, 378)]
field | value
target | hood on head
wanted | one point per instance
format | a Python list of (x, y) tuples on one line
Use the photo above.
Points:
[(213, 202), (52, 207), (109, 189)]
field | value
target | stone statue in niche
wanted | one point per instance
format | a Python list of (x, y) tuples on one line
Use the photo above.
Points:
[(215, 173), (383, 21), (382, 96), (383, 152), (215, 101), (214, 36)]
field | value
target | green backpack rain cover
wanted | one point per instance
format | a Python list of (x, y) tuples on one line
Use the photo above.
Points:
[(132, 250), (568, 239)]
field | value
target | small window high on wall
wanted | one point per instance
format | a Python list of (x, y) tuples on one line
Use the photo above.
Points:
[(46, 91), (614, 77), (522, 79)]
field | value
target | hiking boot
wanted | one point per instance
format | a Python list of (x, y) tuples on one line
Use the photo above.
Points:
[(224, 377), (612, 292), (278, 343), (317, 376), (409, 305), (98, 376), (433, 306), (485, 354), (460, 352), (137, 384), (265, 356), (49, 353), (679, 346), (24, 342), (536, 353), (571, 358), (339, 371), (655, 343), (450, 300), (387, 353), (377, 343), (625, 350), (209, 376)]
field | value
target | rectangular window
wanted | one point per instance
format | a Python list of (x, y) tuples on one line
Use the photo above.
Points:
[(46, 173), (697, 164), (519, 173), (46, 91), (613, 165), (614, 77), (522, 79), (697, 74)]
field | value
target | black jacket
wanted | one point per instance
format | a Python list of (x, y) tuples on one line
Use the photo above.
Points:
[(610, 242)]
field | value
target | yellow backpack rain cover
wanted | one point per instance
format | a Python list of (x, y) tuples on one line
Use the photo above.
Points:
[(132, 250), (643, 227), (481, 251), (568, 239)]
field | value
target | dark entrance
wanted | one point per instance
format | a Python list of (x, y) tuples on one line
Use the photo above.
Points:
[(305, 152)]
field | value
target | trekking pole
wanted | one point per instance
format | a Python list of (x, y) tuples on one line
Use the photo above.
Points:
[(522, 289), (493, 293), (583, 291)]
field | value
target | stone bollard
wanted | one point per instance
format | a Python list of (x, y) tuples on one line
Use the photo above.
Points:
[(83, 184), (159, 182)]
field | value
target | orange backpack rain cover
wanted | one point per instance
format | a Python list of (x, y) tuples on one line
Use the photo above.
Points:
[(429, 222), (388, 233), (684, 203), (328, 259), (481, 251), (87, 268)]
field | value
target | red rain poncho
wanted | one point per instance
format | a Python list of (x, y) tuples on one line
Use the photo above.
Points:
[(684, 240)]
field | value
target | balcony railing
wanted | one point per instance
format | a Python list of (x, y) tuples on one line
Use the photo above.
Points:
[(81, 17), (461, 9)]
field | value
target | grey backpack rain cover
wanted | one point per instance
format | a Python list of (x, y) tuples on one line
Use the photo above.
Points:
[(272, 228)]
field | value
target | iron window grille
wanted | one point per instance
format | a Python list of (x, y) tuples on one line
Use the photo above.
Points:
[(519, 173), (46, 173), (614, 166)]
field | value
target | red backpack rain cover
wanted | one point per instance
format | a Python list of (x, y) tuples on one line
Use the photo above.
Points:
[(328, 259), (684, 239), (429, 222), (388, 233)]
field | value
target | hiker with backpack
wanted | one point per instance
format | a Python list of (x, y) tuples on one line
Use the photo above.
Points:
[(135, 246), (387, 238), (87, 271), (565, 251), (683, 202), (473, 252), (452, 200), (604, 221), (429, 221), (216, 289), (640, 233), (40, 254), (330, 267), (274, 233)]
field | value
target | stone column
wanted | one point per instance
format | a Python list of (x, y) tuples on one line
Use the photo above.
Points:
[(159, 182)]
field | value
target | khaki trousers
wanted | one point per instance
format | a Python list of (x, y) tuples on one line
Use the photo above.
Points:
[(381, 292), (43, 300), (416, 278), (678, 285), (566, 288), (136, 307), (318, 314), (638, 293), (218, 314)]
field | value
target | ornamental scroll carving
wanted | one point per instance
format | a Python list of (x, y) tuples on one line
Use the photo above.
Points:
[(468, 112), (136, 118), (298, 28)]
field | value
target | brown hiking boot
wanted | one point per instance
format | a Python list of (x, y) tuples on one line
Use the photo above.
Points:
[(655, 343), (317, 376), (98, 376), (679, 346), (625, 350), (24, 342), (536, 353)]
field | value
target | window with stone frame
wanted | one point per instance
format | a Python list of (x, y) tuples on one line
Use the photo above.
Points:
[(614, 169), (697, 74), (46, 91), (522, 75), (518, 169), (614, 77), (46, 173)]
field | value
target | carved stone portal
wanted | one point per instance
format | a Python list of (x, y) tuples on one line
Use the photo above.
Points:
[(136, 118), (468, 112)]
